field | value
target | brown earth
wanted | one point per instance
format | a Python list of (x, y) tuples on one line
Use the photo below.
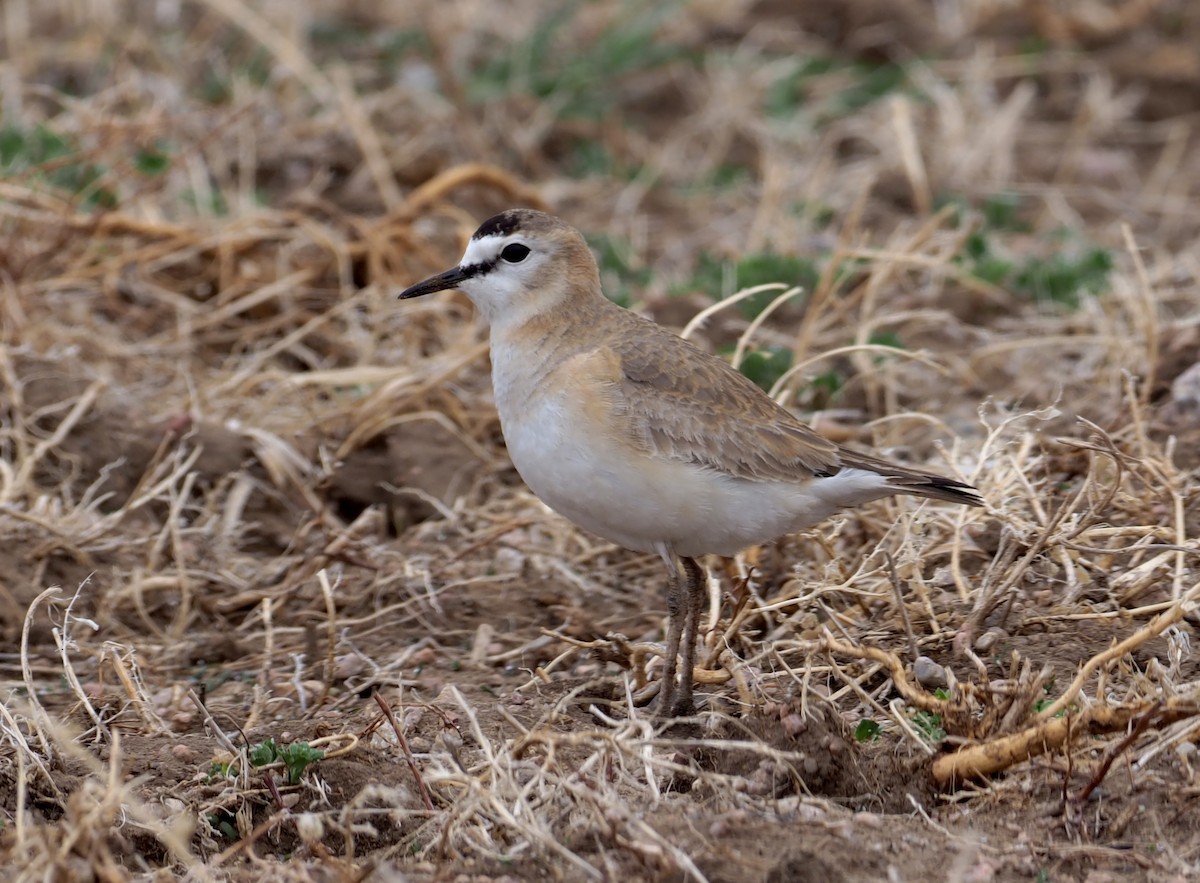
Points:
[(245, 497)]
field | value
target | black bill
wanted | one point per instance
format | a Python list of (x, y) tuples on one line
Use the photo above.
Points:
[(452, 278)]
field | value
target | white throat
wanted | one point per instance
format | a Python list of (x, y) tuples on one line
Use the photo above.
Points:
[(506, 294)]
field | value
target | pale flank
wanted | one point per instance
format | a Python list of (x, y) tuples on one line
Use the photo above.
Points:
[(640, 437)]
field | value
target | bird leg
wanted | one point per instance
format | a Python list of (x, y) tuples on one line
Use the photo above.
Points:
[(677, 600), (693, 600)]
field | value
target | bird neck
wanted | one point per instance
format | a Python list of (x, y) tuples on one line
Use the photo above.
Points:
[(524, 353), (551, 320)]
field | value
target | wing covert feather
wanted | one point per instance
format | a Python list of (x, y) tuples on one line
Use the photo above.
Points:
[(683, 403)]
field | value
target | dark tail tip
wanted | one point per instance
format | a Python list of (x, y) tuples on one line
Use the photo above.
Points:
[(938, 487)]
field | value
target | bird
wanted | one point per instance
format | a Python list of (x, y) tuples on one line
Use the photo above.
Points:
[(641, 437)]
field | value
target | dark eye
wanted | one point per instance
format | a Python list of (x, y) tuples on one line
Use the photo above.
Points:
[(515, 253)]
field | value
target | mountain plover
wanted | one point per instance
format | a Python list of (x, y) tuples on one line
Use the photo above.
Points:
[(640, 437)]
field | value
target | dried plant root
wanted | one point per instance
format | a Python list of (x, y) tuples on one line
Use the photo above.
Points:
[(989, 758)]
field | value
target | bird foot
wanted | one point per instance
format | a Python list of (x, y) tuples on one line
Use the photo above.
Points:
[(672, 704)]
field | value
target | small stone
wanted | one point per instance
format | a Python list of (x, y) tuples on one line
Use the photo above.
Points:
[(183, 753), (508, 560), (986, 642), (310, 827), (1185, 389), (452, 739), (424, 656), (794, 725), (929, 674), (348, 665), (723, 823), (943, 578), (182, 720)]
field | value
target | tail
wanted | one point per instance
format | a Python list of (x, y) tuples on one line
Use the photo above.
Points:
[(914, 481), (936, 487)]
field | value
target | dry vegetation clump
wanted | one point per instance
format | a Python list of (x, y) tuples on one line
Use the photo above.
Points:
[(274, 602)]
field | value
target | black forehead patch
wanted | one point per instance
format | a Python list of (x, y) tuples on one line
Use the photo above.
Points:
[(499, 225)]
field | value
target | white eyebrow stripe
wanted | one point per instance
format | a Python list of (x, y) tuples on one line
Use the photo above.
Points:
[(483, 252)]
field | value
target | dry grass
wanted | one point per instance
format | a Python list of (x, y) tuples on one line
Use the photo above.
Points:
[(242, 490)]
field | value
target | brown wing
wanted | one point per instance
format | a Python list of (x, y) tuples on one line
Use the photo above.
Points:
[(685, 404)]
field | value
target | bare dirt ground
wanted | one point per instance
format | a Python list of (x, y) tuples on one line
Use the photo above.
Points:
[(249, 501)]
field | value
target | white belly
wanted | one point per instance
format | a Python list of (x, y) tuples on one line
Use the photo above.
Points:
[(640, 501)]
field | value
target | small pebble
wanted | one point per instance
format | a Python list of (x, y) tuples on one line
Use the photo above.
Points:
[(986, 642), (929, 674), (794, 725), (424, 656), (724, 823), (183, 753), (310, 827), (452, 739), (348, 665), (182, 720), (1185, 389)]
